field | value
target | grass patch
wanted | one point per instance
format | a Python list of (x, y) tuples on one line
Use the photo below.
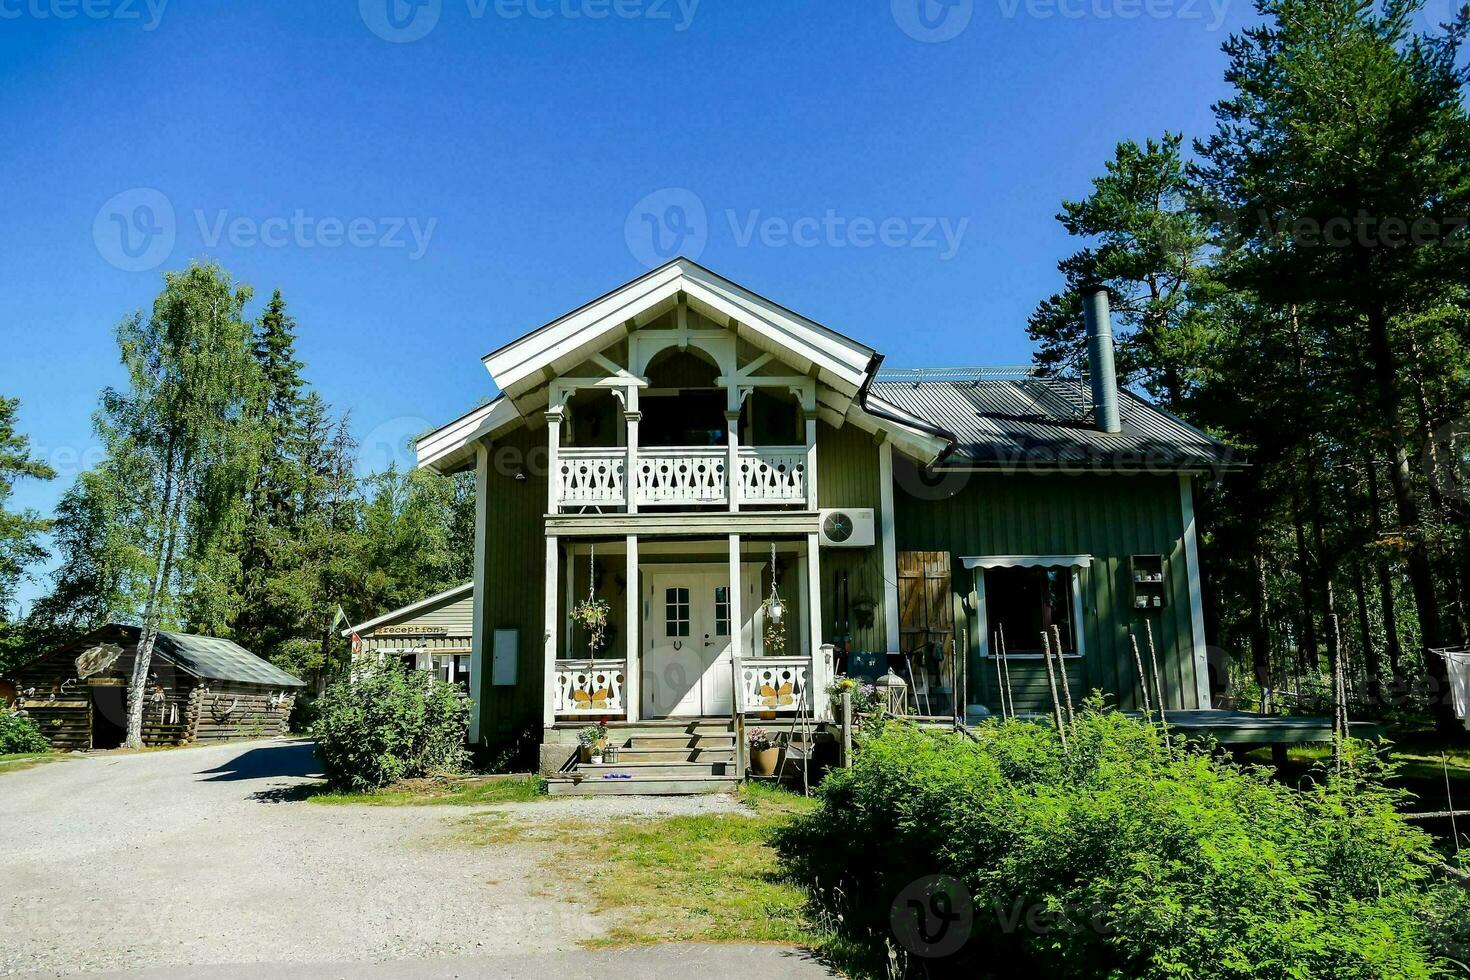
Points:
[(439, 792), (703, 878), (708, 878), (17, 761)]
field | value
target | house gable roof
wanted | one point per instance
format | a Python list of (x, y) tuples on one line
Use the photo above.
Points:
[(566, 341), (448, 595)]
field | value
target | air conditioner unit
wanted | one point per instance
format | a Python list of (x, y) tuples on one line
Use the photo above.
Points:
[(847, 527)]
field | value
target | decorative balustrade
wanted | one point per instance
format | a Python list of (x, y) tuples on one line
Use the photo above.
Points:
[(592, 477), (681, 476), (777, 684), (687, 476), (773, 474), (589, 688)]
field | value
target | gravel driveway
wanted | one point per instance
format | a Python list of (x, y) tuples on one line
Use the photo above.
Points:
[(187, 857)]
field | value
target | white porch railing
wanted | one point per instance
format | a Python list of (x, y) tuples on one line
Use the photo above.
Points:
[(689, 476), (777, 684), (588, 688)]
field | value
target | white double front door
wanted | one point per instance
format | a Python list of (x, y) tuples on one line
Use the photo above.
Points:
[(687, 639)]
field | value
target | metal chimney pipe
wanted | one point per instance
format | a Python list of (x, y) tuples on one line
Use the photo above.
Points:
[(1100, 358)]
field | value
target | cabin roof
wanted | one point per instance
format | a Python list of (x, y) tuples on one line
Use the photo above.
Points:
[(1045, 422), (205, 657)]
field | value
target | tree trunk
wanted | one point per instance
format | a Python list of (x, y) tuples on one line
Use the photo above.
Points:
[(143, 658), (1391, 645), (1421, 573), (1306, 654), (1260, 634)]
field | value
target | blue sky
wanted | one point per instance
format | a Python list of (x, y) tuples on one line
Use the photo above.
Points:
[(429, 180)]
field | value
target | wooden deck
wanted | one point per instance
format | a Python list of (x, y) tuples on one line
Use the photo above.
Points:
[(1247, 728)]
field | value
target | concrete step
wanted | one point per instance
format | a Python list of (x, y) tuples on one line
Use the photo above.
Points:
[(641, 787)]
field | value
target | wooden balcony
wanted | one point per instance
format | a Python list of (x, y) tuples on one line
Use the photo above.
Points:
[(680, 477)]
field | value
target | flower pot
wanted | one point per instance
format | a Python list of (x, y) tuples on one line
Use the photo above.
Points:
[(596, 759), (763, 761), (584, 753)]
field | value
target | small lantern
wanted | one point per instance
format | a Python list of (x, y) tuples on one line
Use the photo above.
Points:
[(895, 692)]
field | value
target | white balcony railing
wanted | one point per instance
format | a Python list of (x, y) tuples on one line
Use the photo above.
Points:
[(687, 476), (589, 688)]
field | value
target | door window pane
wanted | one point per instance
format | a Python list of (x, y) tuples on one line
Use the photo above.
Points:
[(722, 611), (676, 612)]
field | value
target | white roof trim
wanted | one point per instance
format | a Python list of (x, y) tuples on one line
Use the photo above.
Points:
[(445, 444), (1028, 561), (598, 322), (412, 607)]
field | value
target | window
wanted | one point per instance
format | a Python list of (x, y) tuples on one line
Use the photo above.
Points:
[(410, 661), (722, 610), (462, 671), (1024, 602), (676, 612)]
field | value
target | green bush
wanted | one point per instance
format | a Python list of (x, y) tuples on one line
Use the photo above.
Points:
[(1122, 859), (20, 734), (390, 724)]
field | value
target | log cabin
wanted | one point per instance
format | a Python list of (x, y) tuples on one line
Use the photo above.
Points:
[(200, 689)]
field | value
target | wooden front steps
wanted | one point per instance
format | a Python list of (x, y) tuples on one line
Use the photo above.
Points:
[(696, 758)]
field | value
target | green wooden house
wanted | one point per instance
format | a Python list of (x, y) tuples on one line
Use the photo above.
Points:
[(752, 504)]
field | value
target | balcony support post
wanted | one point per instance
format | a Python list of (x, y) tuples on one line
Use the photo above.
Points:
[(631, 418), (633, 666), (818, 674), (553, 460), (737, 630), (553, 614), (732, 458), (811, 460)]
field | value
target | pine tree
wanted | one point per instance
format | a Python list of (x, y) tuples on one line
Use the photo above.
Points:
[(20, 531), (1344, 157)]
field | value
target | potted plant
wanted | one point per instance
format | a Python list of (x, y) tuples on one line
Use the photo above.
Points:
[(763, 752), (591, 614), (592, 740)]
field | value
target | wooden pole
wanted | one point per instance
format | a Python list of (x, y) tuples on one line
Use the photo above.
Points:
[(1062, 666), (1051, 681), (1148, 713), (1000, 689), (1158, 685), (846, 759), (1005, 663)]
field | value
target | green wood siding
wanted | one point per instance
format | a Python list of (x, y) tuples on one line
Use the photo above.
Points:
[(1108, 517), (515, 575), (847, 476)]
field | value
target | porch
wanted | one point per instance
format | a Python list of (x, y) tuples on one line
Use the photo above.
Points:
[(679, 644)]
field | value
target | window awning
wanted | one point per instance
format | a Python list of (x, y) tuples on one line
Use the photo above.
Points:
[(1028, 561)]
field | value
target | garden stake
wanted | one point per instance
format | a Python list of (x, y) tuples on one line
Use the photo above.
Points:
[(1005, 662), (1051, 681), (1148, 714), (1062, 666), (1158, 687), (1449, 800), (1000, 691)]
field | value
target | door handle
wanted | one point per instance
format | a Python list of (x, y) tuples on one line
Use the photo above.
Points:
[(706, 641)]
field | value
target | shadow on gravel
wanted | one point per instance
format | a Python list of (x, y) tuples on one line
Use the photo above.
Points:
[(297, 759), (299, 793)]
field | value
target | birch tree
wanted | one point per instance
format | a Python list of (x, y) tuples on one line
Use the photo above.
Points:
[(180, 427)]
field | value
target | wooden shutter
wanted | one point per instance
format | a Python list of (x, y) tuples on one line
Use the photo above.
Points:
[(925, 600)]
